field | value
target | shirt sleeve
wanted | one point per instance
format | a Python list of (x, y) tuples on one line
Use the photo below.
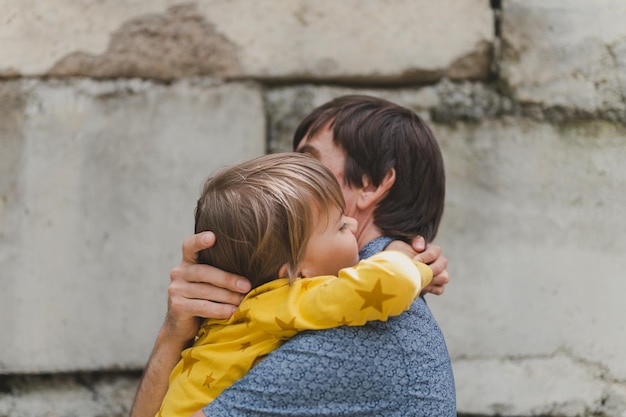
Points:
[(377, 288)]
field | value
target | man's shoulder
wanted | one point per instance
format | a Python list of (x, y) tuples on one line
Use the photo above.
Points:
[(397, 335), (374, 370)]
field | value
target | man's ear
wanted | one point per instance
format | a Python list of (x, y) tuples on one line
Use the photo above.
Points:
[(370, 194)]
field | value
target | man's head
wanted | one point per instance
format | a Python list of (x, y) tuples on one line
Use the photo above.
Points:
[(382, 146), (265, 212)]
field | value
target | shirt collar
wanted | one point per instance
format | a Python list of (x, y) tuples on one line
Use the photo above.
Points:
[(374, 246)]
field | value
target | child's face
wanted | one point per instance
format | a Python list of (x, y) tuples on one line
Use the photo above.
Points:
[(332, 246)]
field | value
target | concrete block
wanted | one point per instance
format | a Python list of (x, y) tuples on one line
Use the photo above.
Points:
[(105, 394), (541, 386), (352, 40), (569, 54), (99, 185), (533, 230)]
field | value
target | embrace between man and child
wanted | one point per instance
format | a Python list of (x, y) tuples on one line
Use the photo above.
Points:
[(334, 321)]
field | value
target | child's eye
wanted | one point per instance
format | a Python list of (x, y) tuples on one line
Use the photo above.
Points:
[(343, 226)]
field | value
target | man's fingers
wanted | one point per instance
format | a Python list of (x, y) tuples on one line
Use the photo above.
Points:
[(207, 274), (205, 292), (215, 310), (209, 309), (433, 289), (193, 244), (400, 246), (439, 282), (418, 244), (439, 266), (183, 307), (213, 293), (432, 253)]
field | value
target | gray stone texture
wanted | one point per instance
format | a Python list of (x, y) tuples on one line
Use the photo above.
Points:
[(445, 102), (275, 40), (570, 55), (178, 43), (99, 184), (68, 395), (534, 227), (113, 112)]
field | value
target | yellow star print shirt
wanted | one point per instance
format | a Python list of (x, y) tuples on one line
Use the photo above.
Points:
[(224, 351)]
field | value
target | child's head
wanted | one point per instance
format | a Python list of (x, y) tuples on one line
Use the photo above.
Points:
[(274, 216)]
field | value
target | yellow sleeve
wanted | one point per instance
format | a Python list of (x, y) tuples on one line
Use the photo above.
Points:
[(376, 288)]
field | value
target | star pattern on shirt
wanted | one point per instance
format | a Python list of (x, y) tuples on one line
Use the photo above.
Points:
[(290, 325), (208, 380), (344, 322), (375, 297), (188, 363), (241, 316)]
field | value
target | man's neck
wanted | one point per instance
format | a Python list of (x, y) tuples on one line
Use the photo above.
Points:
[(368, 233)]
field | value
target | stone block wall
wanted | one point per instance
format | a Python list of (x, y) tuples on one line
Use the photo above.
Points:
[(112, 113)]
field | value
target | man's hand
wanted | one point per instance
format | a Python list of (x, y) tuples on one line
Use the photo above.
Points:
[(195, 291), (200, 291), (431, 256)]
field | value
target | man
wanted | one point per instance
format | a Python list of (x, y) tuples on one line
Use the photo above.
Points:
[(391, 172)]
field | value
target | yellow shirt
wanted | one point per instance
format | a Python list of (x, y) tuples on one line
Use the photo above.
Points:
[(224, 351)]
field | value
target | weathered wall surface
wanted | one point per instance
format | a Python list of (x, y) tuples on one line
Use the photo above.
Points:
[(277, 39), (569, 56), (112, 113), (98, 177)]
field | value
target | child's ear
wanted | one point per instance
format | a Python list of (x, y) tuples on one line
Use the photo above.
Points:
[(370, 194), (283, 272)]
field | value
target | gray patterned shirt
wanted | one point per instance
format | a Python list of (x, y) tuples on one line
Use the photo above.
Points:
[(396, 368)]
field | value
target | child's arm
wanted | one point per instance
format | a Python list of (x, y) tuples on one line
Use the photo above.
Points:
[(376, 288)]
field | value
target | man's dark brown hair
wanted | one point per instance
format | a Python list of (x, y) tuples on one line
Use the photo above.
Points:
[(378, 135)]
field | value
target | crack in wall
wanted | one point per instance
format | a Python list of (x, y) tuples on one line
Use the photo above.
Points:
[(622, 88), (496, 7), (597, 368)]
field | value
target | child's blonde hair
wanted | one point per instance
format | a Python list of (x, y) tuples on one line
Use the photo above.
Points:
[(263, 212)]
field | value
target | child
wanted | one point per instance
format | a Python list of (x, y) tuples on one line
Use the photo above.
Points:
[(278, 220)]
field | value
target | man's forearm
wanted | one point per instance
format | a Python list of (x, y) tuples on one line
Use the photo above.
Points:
[(155, 379)]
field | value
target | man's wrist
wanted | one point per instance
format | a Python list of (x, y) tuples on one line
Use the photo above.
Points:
[(172, 336)]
